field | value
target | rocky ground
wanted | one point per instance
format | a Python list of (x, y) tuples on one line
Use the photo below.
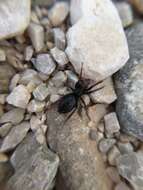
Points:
[(43, 44)]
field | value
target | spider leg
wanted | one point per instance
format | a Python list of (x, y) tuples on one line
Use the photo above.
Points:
[(94, 85), (70, 115), (89, 92), (80, 76), (85, 107)]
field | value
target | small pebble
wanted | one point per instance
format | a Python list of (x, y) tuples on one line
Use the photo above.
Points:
[(41, 92), (59, 79), (59, 56), (106, 144), (111, 124), (35, 123), (113, 154), (125, 147), (59, 38), (58, 13), (2, 55), (36, 34), (28, 53), (113, 174), (14, 81), (44, 63), (19, 97), (3, 98), (35, 106)]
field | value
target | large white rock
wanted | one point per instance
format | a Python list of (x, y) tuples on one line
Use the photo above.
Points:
[(97, 38), (14, 17)]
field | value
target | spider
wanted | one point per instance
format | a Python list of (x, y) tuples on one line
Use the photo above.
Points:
[(69, 103)]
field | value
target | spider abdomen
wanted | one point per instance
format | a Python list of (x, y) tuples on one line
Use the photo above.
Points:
[(67, 103)]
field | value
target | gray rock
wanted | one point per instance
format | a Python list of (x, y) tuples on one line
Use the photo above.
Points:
[(125, 13), (113, 154), (14, 81), (59, 56), (106, 144), (128, 82), (3, 98), (130, 167), (111, 124), (122, 186), (14, 116), (28, 53), (58, 13), (2, 55), (35, 166), (81, 164), (14, 17), (113, 174), (6, 73), (44, 63), (19, 97), (125, 147), (35, 106), (36, 34), (72, 78), (6, 171), (5, 128), (59, 38), (15, 136), (41, 92), (59, 79)]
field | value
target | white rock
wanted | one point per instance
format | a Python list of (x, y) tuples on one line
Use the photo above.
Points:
[(58, 13), (89, 40), (35, 106), (14, 17), (41, 92), (2, 55), (19, 97), (15, 136), (105, 95), (59, 38), (36, 34), (59, 56), (44, 63)]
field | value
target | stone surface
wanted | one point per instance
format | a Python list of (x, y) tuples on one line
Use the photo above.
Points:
[(81, 164), (3, 98), (138, 4), (58, 13), (72, 78), (111, 124), (130, 168), (96, 30), (14, 17), (41, 92), (14, 116), (15, 136), (59, 56), (59, 38), (122, 186), (113, 154), (44, 63), (106, 144), (14, 81), (19, 97), (125, 147), (106, 95), (128, 82), (36, 34), (28, 53), (35, 166), (113, 174), (2, 55), (35, 106), (6, 171), (3, 158), (125, 13), (6, 73), (5, 128), (59, 79)]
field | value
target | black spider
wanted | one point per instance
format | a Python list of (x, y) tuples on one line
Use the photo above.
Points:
[(70, 102)]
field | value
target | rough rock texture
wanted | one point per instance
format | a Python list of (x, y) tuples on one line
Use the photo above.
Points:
[(19, 97), (6, 73), (130, 167), (15, 136), (81, 164), (35, 166), (128, 86), (96, 30), (14, 17)]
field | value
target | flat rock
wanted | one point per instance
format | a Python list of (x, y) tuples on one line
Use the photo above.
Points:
[(19, 97), (14, 17), (14, 116), (44, 63), (128, 82), (97, 28), (6, 73), (35, 166), (81, 164), (130, 168), (15, 136)]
